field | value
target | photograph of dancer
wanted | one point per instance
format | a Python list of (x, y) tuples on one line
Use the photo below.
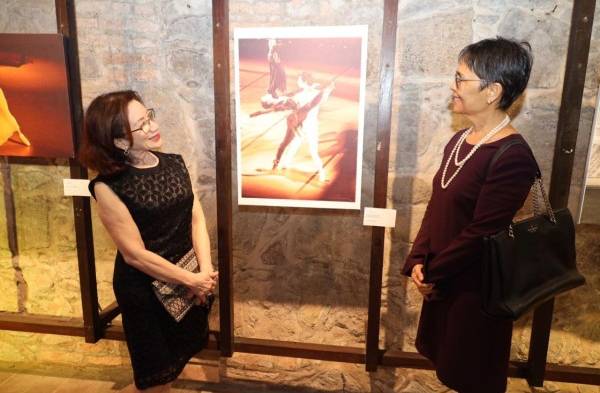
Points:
[(299, 115), (303, 123)]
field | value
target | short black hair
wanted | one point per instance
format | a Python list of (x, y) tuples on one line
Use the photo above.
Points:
[(500, 60)]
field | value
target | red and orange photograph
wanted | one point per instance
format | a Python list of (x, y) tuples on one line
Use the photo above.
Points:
[(300, 115), (35, 119)]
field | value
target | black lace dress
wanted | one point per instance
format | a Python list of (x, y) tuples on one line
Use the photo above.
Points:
[(160, 201)]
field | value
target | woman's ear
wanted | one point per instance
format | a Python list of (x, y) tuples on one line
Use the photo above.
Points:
[(121, 143), (494, 92)]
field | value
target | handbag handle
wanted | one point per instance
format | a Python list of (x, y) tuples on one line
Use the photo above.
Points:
[(545, 199), (537, 209)]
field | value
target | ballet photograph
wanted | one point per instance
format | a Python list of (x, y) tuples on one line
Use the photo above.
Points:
[(35, 118), (300, 115)]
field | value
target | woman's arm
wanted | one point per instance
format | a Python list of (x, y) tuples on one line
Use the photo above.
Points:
[(120, 225), (502, 195), (420, 247), (200, 238)]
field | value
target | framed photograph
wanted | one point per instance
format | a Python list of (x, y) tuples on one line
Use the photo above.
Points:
[(35, 116), (300, 99)]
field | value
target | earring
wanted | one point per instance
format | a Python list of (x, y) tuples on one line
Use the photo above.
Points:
[(126, 152)]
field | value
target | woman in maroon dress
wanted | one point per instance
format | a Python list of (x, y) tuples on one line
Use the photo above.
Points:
[(470, 200)]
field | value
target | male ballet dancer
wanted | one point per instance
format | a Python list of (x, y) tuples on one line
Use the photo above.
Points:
[(303, 123)]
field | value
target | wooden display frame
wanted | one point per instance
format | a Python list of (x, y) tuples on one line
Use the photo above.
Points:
[(96, 325)]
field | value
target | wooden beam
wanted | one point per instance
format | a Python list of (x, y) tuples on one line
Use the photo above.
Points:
[(9, 207), (74, 327), (300, 350), (11, 231), (66, 25), (109, 313), (572, 374), (582, 19), (41, 324), (382, 158), (115, 332), (405, 360), (220, 9)]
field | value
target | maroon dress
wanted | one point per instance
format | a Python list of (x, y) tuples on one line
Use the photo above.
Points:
[(470, 350)]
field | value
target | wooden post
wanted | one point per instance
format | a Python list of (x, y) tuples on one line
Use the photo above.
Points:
[(582, 20), (66, 25), (11, 231), (220, 9), (382, 159)]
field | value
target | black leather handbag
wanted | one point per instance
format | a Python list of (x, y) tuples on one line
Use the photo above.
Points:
[(531, 261)]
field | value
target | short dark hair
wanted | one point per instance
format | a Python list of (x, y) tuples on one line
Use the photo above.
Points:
[(106, 120), (503, 61)]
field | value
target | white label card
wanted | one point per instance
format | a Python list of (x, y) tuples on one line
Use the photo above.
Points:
[(76, 187), (379, 217)]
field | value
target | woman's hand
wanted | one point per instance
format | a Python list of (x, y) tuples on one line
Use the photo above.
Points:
[(418, 277), (204, 285)]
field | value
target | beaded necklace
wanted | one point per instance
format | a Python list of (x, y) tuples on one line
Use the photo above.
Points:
[(461, 140)]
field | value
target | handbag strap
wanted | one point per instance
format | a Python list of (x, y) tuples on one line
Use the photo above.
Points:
[(537, 181), (507, 145)]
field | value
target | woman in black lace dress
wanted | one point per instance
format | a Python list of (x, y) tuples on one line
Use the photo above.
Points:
[(146, 203)]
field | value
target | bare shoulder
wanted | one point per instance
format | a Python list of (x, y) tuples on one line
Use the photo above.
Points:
[(107, 199), (103, 191)]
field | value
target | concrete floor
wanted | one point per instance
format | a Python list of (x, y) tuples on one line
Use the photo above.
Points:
[(56, 379)]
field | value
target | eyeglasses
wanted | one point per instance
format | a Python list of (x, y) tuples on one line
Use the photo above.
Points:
[(146, 125), (458, 79)]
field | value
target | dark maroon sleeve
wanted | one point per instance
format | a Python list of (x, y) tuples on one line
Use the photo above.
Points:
[(502, 195), (420, 247)]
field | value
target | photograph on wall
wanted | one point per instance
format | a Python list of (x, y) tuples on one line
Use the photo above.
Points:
[(300, 115), (35, 118)]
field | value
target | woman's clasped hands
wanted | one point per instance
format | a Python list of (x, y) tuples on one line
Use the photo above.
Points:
[(203, 286), (417, 277)]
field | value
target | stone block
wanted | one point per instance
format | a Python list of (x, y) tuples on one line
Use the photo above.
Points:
[(93, 8), (179, 8), (51, 286), (421, 126), (31, 180), (187, 65), (424, 49), (424, 8), (548, 38), (4, 248), (32, 223), (190, 31), (204, 367), (28, 16), (62, 225), (88, 64), (8, 286)]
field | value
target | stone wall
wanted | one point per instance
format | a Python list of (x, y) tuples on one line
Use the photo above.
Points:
[(593, 172), (299, 275)]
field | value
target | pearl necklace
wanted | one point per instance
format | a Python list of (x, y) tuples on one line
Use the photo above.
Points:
[(455, 150)]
